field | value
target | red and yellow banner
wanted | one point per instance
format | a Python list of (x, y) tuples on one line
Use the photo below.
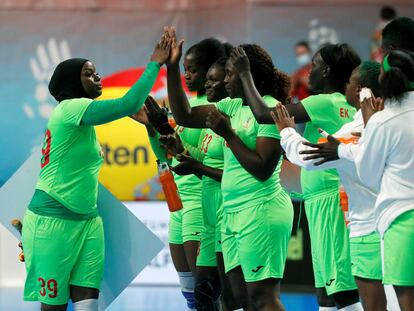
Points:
[(129, 169)]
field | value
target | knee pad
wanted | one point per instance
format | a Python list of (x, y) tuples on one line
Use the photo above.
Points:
[(207, 293), (187, 288), (86, 305), (346, 298), (324, 300)]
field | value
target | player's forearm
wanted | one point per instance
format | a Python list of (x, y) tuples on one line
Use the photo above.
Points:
[(209, 171), (178, 101), (258, 106), (159, 152), (292, 142), (348, 151), (251, 161), (104, 111)]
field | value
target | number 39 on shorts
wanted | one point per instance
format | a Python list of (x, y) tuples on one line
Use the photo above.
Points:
[(49, 287)]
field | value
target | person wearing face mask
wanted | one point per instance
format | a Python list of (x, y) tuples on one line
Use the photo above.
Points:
[(63, 235), (300, 87)]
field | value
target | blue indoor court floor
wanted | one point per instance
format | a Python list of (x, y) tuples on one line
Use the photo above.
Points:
[(149, 298)]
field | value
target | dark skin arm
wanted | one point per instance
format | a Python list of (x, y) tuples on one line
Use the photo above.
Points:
[(259, 108), (143, 116), (189, 165), (184, 115), (158, 117), (261, 162)]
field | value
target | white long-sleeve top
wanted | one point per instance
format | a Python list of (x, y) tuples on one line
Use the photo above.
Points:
[(385, 160), (361, 199)]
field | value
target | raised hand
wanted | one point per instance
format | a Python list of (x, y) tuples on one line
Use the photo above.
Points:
[(157, 116), (172, 144), (325, 151), (162, 50), (219, 123), (282, 118), (240, 60), (176, 47), (370, 106)]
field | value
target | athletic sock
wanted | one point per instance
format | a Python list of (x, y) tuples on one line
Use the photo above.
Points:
[(86, 305), (328, 309), (187, 288), (355, 307)]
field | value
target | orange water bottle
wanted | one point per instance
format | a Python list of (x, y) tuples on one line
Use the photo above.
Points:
[(171, 120), (344, 203), (169, 187)]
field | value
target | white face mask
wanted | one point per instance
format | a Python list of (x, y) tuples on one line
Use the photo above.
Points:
[(303, 59)]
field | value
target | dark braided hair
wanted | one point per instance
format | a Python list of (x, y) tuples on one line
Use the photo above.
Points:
[(207, 51), (267, 79)]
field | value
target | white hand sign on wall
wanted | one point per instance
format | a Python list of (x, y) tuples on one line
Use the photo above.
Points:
[(42, 66)]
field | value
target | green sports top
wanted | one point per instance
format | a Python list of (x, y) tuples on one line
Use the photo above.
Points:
[(189, 186), (68, 183), (72, 158), (329, 112), (241, 189), (212, 149)]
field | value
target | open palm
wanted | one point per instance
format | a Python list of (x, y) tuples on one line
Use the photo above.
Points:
[(176, 47)]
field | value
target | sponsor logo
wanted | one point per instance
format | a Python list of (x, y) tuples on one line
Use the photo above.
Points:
[(257, 269)]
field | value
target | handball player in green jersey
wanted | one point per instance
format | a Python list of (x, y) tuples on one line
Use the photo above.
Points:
[(186, 226), (258, 213), (62, 231), (332, 66)]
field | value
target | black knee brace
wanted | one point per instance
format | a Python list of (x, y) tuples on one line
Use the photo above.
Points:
[(207, 293)]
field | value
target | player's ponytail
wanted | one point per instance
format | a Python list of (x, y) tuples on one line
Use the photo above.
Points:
[(281, 84), (398, 74), (267, 79)]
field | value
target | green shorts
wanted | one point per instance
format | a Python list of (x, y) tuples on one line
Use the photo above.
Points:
[(331, 258), (186, 224), (257, 238), (366, 256), (212, 201), (59, 253), (398, 251)]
